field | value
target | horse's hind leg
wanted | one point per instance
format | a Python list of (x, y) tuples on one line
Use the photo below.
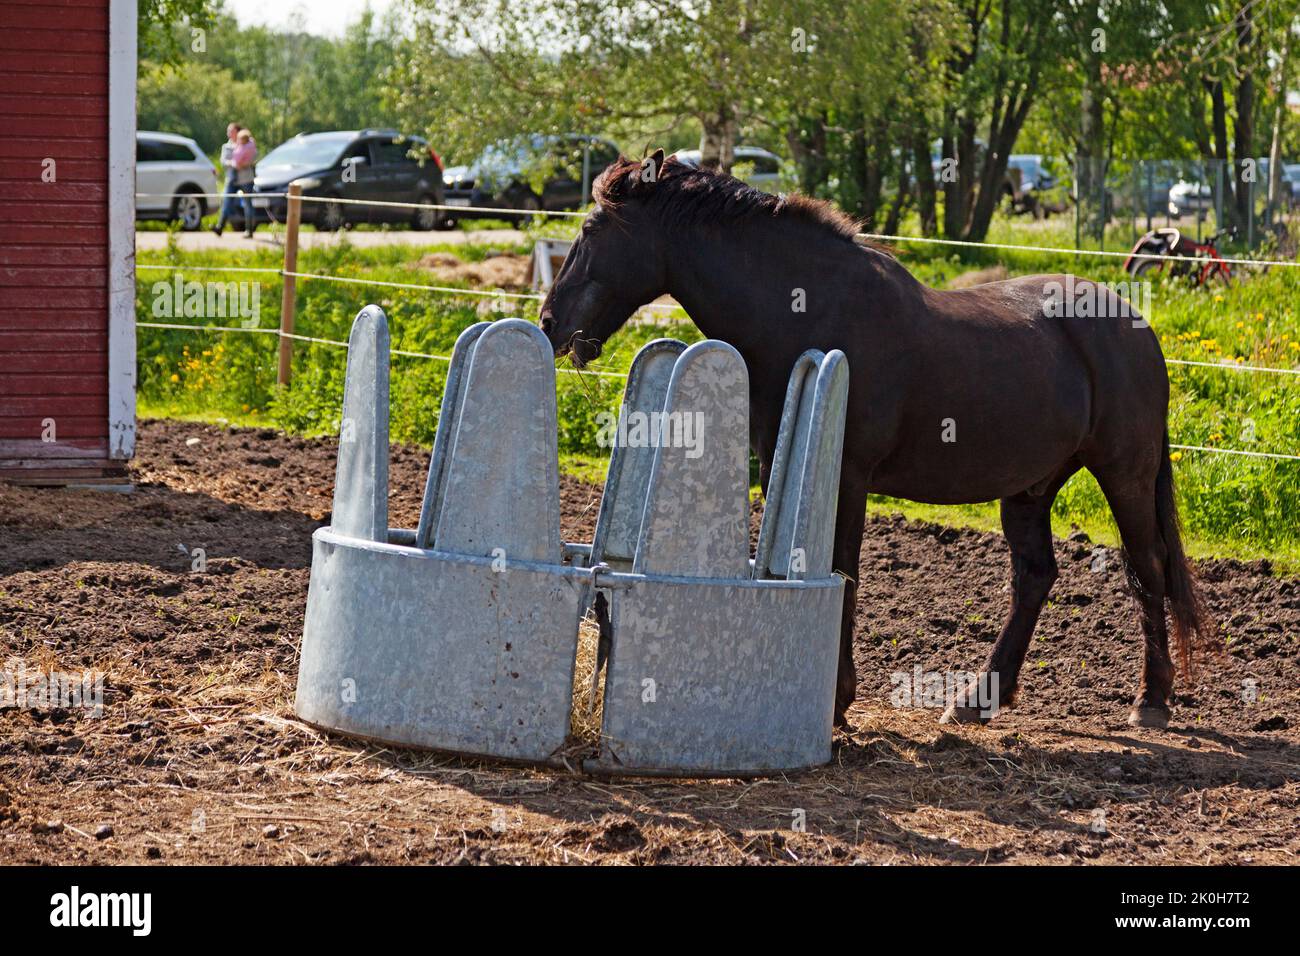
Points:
[(1132, 500), (1027, 526)]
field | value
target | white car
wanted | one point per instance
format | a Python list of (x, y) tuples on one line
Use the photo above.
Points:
[(171, 174), (1187, 197), (760, 169)]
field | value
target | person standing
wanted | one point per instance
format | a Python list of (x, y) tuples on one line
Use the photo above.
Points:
[(228, 169), (244, 159)]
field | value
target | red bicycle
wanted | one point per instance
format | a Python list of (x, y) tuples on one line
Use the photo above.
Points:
[(1199, 262)]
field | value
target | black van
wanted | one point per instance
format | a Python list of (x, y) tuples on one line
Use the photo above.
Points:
[(367, 164)]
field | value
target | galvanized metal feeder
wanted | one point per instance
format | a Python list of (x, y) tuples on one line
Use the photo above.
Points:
[(462, 634)]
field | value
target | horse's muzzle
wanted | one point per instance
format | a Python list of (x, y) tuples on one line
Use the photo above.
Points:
[(582, 351)]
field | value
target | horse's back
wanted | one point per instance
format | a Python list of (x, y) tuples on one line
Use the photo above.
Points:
[(1105, 330)]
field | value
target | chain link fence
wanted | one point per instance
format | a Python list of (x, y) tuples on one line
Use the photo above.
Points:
[(1116, 201)]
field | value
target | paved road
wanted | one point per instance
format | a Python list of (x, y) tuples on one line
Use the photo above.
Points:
[(309, 238)]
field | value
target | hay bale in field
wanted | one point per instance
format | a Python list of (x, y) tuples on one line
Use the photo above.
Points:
[(504, 270), (968, 280)]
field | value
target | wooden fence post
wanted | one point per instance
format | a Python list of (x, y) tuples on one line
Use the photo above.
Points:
[(288, 299)]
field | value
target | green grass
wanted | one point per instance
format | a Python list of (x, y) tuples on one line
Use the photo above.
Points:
[(1231, 505)]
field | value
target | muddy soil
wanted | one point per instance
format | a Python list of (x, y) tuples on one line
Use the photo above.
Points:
[(198, 758)]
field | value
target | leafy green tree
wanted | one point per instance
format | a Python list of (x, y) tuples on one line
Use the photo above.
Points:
[(1000, 55), (855, 102), (164, 27), (485, 70), (198, 101), (277, 83)]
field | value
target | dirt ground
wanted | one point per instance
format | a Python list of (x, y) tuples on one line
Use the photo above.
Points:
[(198, 757)]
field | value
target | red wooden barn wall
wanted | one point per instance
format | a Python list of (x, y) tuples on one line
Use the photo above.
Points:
[(54, 67)]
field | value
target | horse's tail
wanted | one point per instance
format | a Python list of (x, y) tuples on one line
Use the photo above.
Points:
[(1193, 626)]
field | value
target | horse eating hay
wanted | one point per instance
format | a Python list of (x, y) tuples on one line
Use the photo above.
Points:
[(956, 396)]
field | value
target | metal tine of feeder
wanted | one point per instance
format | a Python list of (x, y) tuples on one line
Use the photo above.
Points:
[(814, 529), (501, 492), (749, 666), (696, 518), (361, 474), (622, 503), (780, 503), (448, 415)]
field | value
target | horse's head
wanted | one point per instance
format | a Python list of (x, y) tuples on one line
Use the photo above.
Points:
[(616, 264)]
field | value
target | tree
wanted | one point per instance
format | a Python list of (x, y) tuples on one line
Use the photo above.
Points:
[(849, 97), (994, 74), (197, 101), (278, 83), (484, 70), (159, 24)]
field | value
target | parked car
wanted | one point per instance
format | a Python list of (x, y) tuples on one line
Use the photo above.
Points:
[(1185, 197), (1030, 186), (754, 165), (365, 164), (1034, 176), (532, 172), (1291, 174), (1290, 181), (171, 176), (1153, 195), (1011, 188)]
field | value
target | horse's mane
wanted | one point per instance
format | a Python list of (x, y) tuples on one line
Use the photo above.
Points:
[(684, 195)]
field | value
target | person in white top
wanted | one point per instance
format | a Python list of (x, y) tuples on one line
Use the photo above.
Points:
[(228, 167)]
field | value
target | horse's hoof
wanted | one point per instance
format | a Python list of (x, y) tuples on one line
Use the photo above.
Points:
[(1156, 718), (965, 715)]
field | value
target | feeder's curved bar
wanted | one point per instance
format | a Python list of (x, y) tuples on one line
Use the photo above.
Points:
[(696, 516), (810, 361), (814, 529), (453, 393), (646, 390)]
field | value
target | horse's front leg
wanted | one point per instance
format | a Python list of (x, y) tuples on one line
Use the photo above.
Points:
[(850, 519)]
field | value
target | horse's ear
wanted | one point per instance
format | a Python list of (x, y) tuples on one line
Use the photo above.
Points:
[(647, 174)]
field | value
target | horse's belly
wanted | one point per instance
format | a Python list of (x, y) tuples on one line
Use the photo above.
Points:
[(926, 488), (976, 453)]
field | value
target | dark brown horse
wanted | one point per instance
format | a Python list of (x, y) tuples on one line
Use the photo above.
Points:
[(954, 397)]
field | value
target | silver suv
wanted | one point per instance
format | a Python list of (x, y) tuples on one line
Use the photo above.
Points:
[(171, 175)]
